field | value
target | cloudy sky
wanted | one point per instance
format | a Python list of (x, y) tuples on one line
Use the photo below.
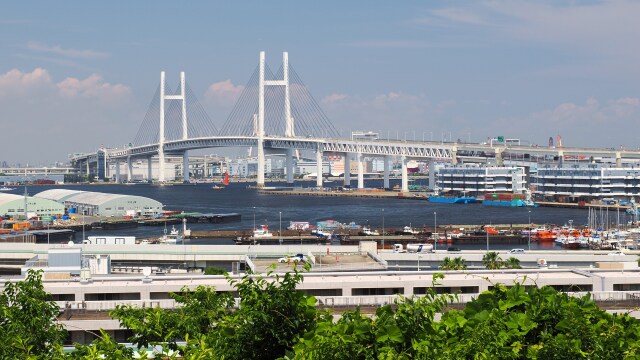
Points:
[(75, 75)]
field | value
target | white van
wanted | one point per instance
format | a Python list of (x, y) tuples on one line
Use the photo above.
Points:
[(516, 251)]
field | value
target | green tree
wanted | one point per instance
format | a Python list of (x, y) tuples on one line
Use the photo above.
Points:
[(512, 263), (271, 317), (457, 263), (28, 327), (492, 261), (199, 312)]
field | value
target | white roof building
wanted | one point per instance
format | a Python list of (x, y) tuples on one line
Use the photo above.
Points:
[(102, 204)]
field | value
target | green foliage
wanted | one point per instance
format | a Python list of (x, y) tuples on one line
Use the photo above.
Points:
[(213, 270), (271, 317), (492, 261), (106, 348), (453, 264), (273, 320), (27, 320), (512, 263), (200, 311)]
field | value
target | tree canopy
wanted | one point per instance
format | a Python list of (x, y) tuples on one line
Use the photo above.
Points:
[(272, 320)]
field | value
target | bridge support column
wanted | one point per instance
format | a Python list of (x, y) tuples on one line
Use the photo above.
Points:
[(88, 168), (185, 167), (117, 171), (405, 176), (319, 166), (432, 174), (560, 158), (129, 170), (149, 170), (347, 169), (618, 159), (360, 171), (386, 170), (289, 166), (499, 159)]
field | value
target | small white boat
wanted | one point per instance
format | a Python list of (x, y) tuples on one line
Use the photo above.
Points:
[(171, 238), (262, 232), (4, 188)]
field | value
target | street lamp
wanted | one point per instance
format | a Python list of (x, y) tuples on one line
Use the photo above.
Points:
[(83, 213), (435, 232), (382, 229), (529, 230), (487, 232), (254, 218), (280, 231)]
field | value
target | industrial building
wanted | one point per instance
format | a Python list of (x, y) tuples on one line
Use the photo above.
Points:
[(12, 205), (102, 204)]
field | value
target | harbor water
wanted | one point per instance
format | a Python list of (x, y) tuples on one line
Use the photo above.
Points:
[(279, 210)]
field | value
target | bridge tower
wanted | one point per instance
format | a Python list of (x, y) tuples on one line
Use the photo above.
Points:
[(185, 135), (289, 123)]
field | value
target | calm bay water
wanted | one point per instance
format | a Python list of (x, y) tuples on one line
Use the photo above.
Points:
[(267, 209)]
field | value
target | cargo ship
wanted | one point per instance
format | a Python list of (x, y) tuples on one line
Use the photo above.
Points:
[(507, 199)]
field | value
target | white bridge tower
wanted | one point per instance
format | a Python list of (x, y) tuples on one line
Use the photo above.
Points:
[(185, 135), (289, 123)]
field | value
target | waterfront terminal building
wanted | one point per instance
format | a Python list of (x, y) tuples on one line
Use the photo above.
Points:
[(101, 204), (595, 181), (477, 180), (14, 206)]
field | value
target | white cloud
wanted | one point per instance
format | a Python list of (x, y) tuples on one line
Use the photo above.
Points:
[(72, 53), (38, 85), (224, 92), (92, 87), (16, 82), (333, 98), (593, 123)]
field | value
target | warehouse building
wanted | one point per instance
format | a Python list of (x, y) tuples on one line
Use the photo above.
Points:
[(102, 204), (13, 206)]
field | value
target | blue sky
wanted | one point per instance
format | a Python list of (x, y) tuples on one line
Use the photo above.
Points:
[(77, 74)]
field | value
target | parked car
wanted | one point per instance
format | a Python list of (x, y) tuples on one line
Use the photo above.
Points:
[(516, 251), (616, 253), (295, 259), (453, 249)]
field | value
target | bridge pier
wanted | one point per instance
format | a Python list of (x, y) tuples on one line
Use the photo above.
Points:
[(347, 169), (185, 167), (149, 170), (499, 159), (386, 171), (405, 176), (360, 160), (117, 171), (432, 173), (560, 158), (129, 169), (618, 159), (319, 166), (289, 166)]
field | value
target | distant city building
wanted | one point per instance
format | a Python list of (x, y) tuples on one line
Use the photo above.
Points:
[(476, 180), (586, 182)]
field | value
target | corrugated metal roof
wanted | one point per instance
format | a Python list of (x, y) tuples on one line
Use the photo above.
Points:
[(58, 194), (94, 198), (5, 198), (87, 197)]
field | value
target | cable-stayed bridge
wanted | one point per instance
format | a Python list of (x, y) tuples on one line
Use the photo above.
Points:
[(275, 112)]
